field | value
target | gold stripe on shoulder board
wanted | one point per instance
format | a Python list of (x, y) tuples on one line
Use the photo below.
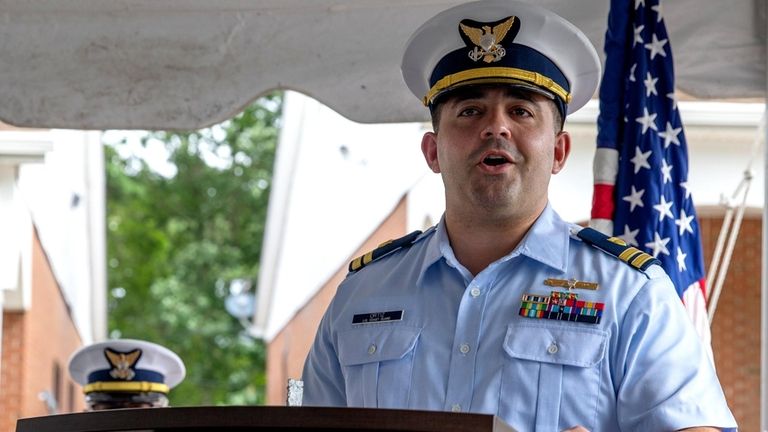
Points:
[(382, 250)]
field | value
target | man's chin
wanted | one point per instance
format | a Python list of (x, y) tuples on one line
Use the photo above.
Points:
[(496, 201)]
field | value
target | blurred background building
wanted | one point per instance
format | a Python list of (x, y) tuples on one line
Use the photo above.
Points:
[(52, 266)]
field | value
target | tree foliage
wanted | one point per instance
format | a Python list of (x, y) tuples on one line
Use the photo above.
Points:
[(176, 241)]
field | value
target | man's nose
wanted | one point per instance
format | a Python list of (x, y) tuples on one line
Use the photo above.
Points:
[(497, 125)]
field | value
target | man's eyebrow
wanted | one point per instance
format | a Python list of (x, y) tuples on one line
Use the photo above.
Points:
[(467, 94), (518, 93), (480, 92)]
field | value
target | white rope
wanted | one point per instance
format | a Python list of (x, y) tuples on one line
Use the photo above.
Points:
[(732, 236), (720, 244), (730, 229)]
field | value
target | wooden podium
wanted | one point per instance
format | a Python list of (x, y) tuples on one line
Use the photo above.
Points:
[(263, 418)]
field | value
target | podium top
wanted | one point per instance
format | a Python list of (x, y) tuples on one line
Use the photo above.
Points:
[(263, 418)]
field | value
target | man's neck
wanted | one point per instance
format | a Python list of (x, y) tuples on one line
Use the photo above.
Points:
[(477, 243)]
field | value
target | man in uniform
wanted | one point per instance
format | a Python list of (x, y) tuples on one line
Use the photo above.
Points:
[(126, 373), (503, 308)]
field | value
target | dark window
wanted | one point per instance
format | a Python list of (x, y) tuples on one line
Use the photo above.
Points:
[(70, 397), (56, 383)]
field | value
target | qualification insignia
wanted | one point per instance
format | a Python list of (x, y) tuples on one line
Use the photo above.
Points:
[(571, 284)]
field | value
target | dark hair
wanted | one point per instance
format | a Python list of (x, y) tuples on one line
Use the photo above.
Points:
[(435, 107)]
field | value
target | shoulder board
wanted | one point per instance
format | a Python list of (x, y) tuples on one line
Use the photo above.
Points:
[(383, 249), (618, 248)]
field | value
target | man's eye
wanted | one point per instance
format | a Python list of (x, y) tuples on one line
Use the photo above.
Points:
[(521, 112), (468, 112)]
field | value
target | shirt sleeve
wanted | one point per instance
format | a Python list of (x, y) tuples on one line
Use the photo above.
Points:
[(322, 376), (664, 378)]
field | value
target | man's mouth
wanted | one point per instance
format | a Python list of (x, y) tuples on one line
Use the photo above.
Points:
[(495, 160)]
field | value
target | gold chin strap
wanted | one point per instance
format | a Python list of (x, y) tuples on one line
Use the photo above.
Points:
[(489, 74), (132, 386)]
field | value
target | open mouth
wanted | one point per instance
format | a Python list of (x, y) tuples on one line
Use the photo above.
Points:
[(495, 160)]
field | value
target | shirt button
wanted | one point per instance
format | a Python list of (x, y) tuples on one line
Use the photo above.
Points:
[(371, 349), (456, 408), (552, 348), (474, 292), (464, 348)]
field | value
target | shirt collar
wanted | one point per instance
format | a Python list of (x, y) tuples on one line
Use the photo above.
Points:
[(436, 244), (546, 242)]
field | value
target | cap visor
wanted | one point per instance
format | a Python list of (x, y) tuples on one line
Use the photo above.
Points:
[(493, 81)]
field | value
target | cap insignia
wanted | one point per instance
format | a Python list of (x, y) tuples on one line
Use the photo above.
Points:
[(487, 38), (122, 363)]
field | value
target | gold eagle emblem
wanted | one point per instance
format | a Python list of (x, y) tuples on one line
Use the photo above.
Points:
[(488, 40), (122, 363)]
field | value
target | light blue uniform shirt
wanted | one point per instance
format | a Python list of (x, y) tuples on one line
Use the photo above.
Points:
[(461, 344)]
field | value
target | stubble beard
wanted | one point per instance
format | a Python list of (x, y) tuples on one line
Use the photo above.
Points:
[(484, 199), (496, 196)]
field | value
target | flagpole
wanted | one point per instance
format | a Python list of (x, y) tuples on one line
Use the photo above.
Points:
[(764, 289), (764, 273)]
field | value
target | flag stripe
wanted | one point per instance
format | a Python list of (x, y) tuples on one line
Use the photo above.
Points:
[(602, 201)]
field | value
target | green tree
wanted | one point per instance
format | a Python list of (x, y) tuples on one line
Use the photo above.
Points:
[(176, 241)]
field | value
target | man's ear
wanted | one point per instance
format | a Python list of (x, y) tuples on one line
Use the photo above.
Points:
[(429, 149), (562, 150)]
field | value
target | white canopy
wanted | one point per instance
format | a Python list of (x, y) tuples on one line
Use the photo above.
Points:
[(171, 64)]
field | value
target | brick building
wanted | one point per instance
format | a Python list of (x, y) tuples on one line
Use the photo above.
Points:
[(52, 268)]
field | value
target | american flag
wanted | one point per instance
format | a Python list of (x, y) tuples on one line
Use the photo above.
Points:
[(641, 191)]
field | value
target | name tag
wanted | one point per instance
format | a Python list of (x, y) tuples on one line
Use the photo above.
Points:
[(377, 317)]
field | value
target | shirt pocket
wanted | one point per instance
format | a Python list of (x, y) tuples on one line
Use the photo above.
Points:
[(377, 362), (551, 376)]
